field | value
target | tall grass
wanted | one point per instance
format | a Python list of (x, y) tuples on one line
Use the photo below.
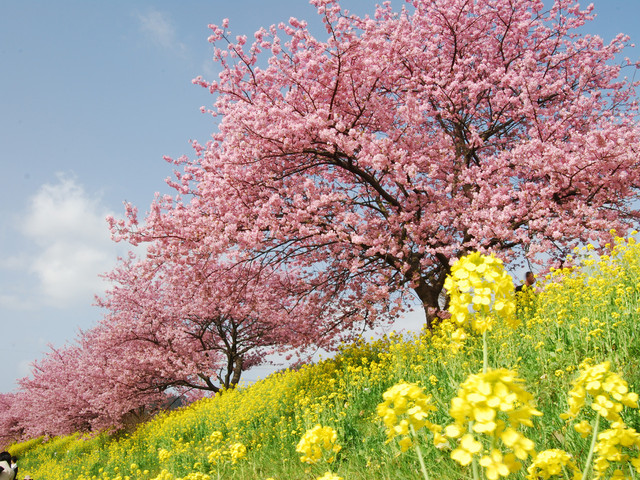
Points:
[(588, 313)]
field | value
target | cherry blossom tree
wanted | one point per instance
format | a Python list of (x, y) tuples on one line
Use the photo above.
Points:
[(10, 429), (70, 390), (195, 324), (372, 159), (52, 400), (198, 322)]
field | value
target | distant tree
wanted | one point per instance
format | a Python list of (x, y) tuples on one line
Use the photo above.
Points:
[(52, 400), (197, 323), (10, 422), (371, 160), (70, 390)]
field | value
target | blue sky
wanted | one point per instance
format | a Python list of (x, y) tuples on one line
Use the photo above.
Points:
[(92, 95)]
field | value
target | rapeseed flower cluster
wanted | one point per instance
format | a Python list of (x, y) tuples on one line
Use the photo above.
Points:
[(618, 445), (479, 288), (495, 405), (608, 391), (231, 453), (163, 455), (318, 443), (221, 453), (609, 394), (404, 411), (553, 463), (197, 476), (594, 300)]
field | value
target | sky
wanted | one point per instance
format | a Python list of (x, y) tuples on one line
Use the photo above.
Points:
[(93, 94)]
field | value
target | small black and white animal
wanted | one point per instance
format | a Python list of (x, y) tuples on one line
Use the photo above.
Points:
[(6, 472)]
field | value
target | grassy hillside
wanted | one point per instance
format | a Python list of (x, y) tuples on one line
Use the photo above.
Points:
[(582, 317)]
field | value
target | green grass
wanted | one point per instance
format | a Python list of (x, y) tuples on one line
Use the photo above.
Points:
[(588, 314)]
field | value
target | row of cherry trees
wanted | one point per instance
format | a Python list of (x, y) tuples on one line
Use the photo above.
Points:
[(171, 330), (344, 177)]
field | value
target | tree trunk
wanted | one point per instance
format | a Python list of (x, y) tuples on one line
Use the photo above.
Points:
[(429, 296), (237, 371), (234, 370), (428, 291)]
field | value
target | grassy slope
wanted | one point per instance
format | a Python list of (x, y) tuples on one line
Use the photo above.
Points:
[(591, 313)]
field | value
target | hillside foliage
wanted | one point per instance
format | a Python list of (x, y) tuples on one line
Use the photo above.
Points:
[(583, 317)]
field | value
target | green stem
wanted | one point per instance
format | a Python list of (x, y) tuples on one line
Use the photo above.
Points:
[(419, 452), (587, 464), (474, 467), (474, 460), (485, 353)]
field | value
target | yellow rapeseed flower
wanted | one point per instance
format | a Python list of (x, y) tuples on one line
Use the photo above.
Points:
[(584, 428), (216, 456), (330, 476), (316, 443), (518, 443), (164, 455), (215, 437), (550, 463), (237, 451), (615, 445), (405, 405), (479, 289), (608, 391), (494, 404), (495, 465), (482, 396), (196, 476), (467, 448)]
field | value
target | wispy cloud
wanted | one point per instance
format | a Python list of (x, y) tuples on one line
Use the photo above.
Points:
[(158, 28), (68, 227)]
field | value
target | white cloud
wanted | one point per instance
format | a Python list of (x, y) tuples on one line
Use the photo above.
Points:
[(63, 210), (158, 28), (68, 227)]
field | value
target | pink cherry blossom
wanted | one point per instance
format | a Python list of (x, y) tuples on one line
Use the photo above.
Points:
[(371, 159)]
